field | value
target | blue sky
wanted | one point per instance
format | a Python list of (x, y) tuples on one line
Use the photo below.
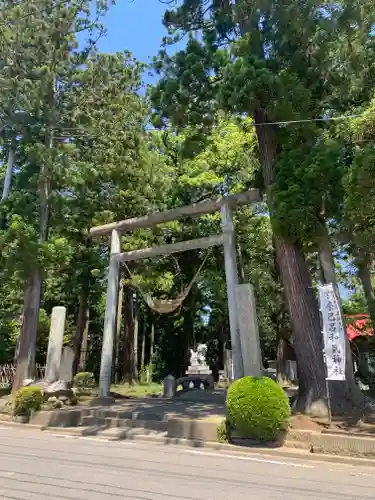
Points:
[(134, 25)]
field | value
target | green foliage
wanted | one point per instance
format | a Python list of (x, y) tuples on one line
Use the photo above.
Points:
[(222, 432), (254, 240), (359, 206), (308, 186), (234, 68), (257, 408), (84, 380), (26, 400), (354, 305), (96, 162)]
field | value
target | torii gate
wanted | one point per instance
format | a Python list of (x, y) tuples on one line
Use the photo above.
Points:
[(226, 205)]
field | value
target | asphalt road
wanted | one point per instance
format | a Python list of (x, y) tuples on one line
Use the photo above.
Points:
[(37, 466)]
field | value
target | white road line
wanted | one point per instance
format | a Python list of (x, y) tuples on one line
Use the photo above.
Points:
[(196, 452), (106, 440), (250, 459), (92, 438), (366, 474)]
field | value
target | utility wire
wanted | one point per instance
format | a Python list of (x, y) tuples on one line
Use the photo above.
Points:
[(286, 122), (320, 119), (303, 120), (76, 132)]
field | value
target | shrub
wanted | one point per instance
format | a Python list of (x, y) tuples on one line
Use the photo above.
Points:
[(257, 407), (26, 400), (84, 380), (5, 389), (222, 432)]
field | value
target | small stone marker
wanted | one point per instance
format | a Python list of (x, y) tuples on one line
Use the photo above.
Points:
[(66, 366), (55, 343), (169, 386)]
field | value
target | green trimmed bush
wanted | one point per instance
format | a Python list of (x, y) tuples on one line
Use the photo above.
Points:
[(26, 400), (258, 408), (84, 380)]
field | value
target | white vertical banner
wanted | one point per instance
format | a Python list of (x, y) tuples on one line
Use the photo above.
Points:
[(333, 333)]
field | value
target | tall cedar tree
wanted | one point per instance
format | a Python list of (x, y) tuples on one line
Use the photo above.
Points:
[(275, 61)]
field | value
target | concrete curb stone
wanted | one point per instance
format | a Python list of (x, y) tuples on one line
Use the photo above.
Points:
[(288, 451), (195, 431)]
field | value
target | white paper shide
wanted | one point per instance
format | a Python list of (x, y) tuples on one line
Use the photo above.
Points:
[(333, 333)]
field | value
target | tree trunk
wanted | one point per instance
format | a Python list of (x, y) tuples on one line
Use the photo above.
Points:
[(27, 337), (28, 333), (151, 363), (128, 356), (285, 351), (31, 306), (8, 174), (326, 256), (81, 326), (362, 262), (143, 349), (284, 348), (84, 345), (188, 333), (135, 340), (116, 369), (301, 302), (282, 362), (305, 321)]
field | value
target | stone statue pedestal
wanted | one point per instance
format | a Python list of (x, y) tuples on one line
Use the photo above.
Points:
[(198, 381), (198, 370)]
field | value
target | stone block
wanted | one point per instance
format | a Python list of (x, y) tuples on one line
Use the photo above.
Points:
[(249, 333), (55, 343), (66, 365)]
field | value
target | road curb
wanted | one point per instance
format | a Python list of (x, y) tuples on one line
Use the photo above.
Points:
[(199, 433), (10, 423), (284, 451)]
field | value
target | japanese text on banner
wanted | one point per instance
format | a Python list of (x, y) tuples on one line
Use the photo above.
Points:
[(333, 333)]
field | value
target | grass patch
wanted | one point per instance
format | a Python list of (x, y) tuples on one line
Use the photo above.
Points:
[(137, 391)]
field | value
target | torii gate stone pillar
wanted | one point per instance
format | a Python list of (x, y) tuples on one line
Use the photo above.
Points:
[(231, 274), (110, 316)]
